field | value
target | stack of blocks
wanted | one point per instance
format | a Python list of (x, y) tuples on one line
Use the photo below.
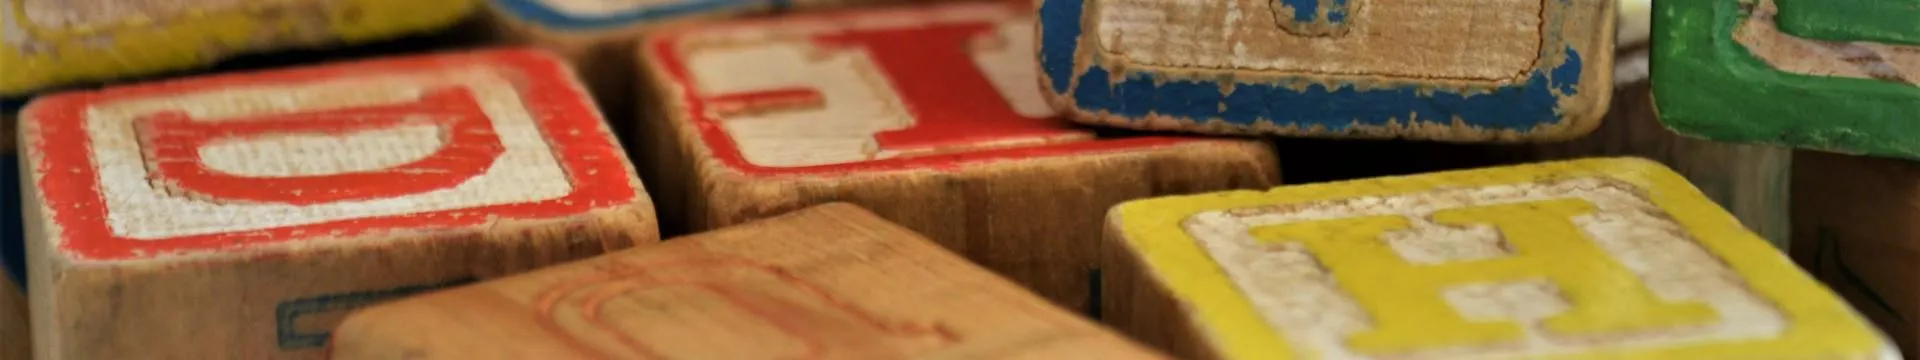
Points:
[(1046, 179), (1828, 78)]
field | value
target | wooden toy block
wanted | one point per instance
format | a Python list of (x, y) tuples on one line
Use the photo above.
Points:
[(52, 43), (927, 115), (1631, 58), (1599, 258), (240, 216), (1452, 70), (1854, 227), (827, 282), (1823, 75), (16, 342), (1749, 180)]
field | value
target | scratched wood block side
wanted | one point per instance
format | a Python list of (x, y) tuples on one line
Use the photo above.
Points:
[(53, 43), (1740, 71), (827, 282), (16, 341), (963, 150), (1599, 258), (1517, 71), (1749, 180), (1854, 228), (243, 215)]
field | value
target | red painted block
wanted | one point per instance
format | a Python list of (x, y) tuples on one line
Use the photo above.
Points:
[(929, 115), (250, 206)]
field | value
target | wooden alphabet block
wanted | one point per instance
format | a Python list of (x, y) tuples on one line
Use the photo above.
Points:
[(16, 341), (827, 282), (1856, 226), (1600, 258), (927, 115), (1453, 70), (256, 209), (1841, 76), (51, 43)]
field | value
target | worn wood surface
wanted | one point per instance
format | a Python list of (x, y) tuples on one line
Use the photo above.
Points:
[(56, 42), (1855, 226), (1602, 258), (827, 282), (240, 216), (1452, 70), (1749, 180), (927, 115), (16, 341), (1764, 71)]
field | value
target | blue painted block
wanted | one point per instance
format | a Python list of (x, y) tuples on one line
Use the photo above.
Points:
[(589, 15), (1448, 70)]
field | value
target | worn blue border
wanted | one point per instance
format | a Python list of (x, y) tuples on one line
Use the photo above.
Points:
[(1518, 107), (538, 12), (287, 314)]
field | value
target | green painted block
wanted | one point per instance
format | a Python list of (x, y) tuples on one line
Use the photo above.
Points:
[(1723, 70)]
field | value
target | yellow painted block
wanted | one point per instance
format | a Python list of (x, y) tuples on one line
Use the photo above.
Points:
[(49, 43), (1589, 259)]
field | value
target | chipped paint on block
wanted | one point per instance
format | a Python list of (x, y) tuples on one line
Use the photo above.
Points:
[(1338, 69)]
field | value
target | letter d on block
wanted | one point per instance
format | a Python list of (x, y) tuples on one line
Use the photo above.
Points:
[(1405, 301), (173, 142)]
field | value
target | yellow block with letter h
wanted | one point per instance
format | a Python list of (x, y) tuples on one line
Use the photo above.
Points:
[(1588, 259)]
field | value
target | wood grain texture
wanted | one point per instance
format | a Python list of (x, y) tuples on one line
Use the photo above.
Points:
[(1736, 71), (827, 282), (1749, 180), (1453, 70), (1600, 259), (52, 43), (16, 341), (936, 125), (240, 216), (1854, 227)]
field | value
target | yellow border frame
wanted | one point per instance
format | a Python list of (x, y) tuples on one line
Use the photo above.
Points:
[(138, 46), (1819, 323)]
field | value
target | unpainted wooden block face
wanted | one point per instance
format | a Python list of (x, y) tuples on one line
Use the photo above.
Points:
[(1507, 69), (52, 43), (885, 89), (323, 152), (1841, 77), (1610, 258), (840, 283)]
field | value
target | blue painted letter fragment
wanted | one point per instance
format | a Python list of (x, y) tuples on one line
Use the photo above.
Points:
[(1446, 70)]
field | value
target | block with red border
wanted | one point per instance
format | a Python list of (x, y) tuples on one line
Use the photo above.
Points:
[(241, 215), (930, 116)]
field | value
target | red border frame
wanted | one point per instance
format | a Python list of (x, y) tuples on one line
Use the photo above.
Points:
[(70, 184), (664, 47)]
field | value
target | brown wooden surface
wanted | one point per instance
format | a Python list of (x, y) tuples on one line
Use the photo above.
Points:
[(1033, 218), (277, 296), (1751, 181), (16, 341), (1857, 227), (827, 282)]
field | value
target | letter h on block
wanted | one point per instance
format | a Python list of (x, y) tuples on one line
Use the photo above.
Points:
[(1448, 70), (1605, 258), (927, 115), (258, 208)]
